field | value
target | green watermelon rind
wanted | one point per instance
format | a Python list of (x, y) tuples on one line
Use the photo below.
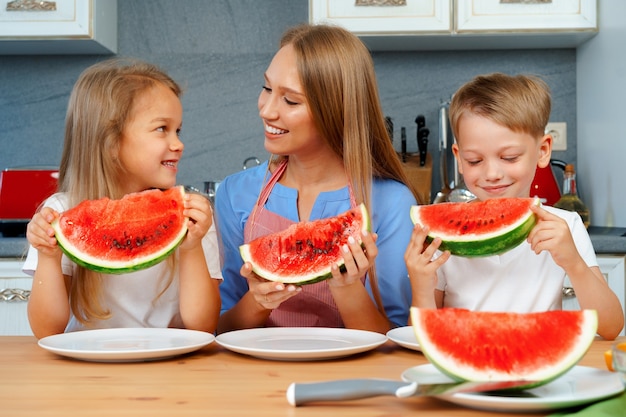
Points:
[(479, 245), (457, 372), (313, 276), (118, 267)]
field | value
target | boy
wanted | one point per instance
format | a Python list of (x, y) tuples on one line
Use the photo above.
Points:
[(498, 121)]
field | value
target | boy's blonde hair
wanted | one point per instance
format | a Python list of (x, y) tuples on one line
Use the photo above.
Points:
[(521, 103), (100, 106)]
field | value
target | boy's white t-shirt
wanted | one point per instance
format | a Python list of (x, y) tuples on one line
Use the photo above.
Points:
[(517, 281), (133, 298)]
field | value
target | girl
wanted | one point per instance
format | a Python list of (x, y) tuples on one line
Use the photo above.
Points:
[(121, 136), (324, 126)]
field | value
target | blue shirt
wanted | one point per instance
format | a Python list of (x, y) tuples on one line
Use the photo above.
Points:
[(391, 203)]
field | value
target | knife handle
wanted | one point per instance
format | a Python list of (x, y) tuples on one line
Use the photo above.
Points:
[(347, 389)]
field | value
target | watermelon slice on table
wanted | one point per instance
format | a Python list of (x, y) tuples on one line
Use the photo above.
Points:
[(496, 346), (305, 252), (125, 235), (478, 228)]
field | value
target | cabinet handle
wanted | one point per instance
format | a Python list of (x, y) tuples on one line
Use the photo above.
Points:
[(14, 295)]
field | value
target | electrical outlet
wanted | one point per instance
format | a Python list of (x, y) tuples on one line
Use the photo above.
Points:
[(558, 130)]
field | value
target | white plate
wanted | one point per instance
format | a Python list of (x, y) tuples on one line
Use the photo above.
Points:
[(300, 343), (580, 385), (127, 344), (405, 337)]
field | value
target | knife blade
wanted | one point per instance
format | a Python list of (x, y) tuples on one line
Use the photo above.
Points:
[(354, 389), (403, 143), (422, 142)]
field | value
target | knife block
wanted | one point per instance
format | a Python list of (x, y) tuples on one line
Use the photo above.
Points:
[(420, 177)]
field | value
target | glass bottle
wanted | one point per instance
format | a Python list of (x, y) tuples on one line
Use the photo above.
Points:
[(569, 198)]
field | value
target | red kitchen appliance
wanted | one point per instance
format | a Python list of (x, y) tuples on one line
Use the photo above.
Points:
[(22, 190), (545, 185)]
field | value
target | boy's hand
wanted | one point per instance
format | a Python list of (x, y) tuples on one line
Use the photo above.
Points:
[(421, 267), (552, 234)]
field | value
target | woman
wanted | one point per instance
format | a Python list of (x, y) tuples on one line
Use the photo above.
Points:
[(330, 151)]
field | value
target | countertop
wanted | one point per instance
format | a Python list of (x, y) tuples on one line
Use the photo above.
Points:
[(211, 381), (606, 240)]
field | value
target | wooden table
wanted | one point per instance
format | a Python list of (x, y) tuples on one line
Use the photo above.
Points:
[(211, 381)]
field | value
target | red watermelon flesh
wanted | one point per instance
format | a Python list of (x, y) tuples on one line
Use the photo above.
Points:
[(304, 252), (129, 234), (478, 228), (489, 346)]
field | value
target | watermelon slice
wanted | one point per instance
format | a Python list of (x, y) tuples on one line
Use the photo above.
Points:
[(120, 236), (484, 228), (304, 252), (494, 346)]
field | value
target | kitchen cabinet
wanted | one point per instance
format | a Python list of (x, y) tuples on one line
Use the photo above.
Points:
[(15, 289), (613, 269), (463, 24), (29, 27)]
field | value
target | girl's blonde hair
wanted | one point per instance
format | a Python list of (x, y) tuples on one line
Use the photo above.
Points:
[(337, 74), (521, 103), (100, 106)]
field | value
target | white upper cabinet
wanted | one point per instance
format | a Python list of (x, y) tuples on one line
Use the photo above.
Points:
[(462, 24), (417, 16), (525, 15), (39, 27)]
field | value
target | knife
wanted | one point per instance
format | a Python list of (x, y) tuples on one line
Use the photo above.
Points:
[(420, 120), (354, 389), (389, 126), (403, 143), (422, 142)]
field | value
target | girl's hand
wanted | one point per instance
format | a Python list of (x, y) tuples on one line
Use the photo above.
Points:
[(421, 267), (358, 258), (198, 209), (551, 233), (40, 233), (267, 294)]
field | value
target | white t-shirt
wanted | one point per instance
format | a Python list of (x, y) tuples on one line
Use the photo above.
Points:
[(132, 298), (517, 281)]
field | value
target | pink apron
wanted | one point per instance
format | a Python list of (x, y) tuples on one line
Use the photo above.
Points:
[(314, 305)]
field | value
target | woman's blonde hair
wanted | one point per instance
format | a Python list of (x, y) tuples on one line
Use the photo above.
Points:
[(100, 106), (337, 74), (521, 103)]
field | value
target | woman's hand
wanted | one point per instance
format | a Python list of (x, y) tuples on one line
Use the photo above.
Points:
[(40, 233), (198, 209), (267, 294), (357, 257)]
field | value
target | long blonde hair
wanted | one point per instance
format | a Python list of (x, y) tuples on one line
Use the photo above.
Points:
[(99, 108), (337, 74)]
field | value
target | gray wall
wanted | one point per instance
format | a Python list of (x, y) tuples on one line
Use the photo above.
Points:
[(219, 50), (601, 86)]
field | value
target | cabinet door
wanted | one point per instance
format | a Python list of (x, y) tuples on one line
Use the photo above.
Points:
[(416, 16), (522, 15), (58, 27), (613, 269), (14, 292)]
